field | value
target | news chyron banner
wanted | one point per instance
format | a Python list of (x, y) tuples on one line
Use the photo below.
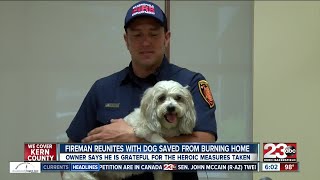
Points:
[(279, 157), (49, 157), (46, 157)]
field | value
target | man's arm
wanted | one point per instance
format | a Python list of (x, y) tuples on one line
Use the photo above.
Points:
[(120, 131), (197, 136)]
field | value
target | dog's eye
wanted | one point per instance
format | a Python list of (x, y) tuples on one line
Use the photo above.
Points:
[(178, 98), (162, 98)]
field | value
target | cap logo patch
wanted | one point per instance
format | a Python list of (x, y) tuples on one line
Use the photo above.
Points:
[(143, 8), (205, 91)]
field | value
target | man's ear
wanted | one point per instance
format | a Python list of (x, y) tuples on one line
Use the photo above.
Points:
[(125, 37), (167, 39)]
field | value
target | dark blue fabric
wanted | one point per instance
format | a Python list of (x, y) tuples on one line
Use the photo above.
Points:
[(126, 89)]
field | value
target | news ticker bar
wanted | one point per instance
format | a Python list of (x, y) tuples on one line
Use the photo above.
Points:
[(38, 167)]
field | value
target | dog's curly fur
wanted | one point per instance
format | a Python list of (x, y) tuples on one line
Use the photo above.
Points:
[(166, 110)]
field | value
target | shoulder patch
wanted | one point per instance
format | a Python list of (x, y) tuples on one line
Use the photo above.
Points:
[(205, 91)]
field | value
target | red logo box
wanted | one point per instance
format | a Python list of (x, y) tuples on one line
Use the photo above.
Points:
[(275, 152), (40, 152), (169, 167)]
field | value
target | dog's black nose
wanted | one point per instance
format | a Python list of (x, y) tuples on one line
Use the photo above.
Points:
[(171, 108)]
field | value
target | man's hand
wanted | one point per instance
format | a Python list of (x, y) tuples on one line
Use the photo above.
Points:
[(117, 131)]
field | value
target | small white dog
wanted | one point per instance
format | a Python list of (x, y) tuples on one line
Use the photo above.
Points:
[(166, 110)]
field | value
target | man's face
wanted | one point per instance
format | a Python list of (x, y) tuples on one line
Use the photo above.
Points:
[(146, 41)]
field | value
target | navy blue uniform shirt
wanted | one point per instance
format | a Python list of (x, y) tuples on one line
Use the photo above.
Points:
[(117, 95)]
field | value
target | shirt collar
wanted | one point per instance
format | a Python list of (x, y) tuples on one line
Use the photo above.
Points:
[(160, 74)]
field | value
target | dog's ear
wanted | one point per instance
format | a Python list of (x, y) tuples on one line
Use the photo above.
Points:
[(189, 120), (148, 109)]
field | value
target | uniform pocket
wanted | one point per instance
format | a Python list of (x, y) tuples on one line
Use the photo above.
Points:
[(106, 114)]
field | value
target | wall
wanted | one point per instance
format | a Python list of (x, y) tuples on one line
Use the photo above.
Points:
[(286, 80)]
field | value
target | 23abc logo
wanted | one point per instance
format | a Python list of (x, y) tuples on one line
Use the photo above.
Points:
[(279, 150), (169, 167)]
